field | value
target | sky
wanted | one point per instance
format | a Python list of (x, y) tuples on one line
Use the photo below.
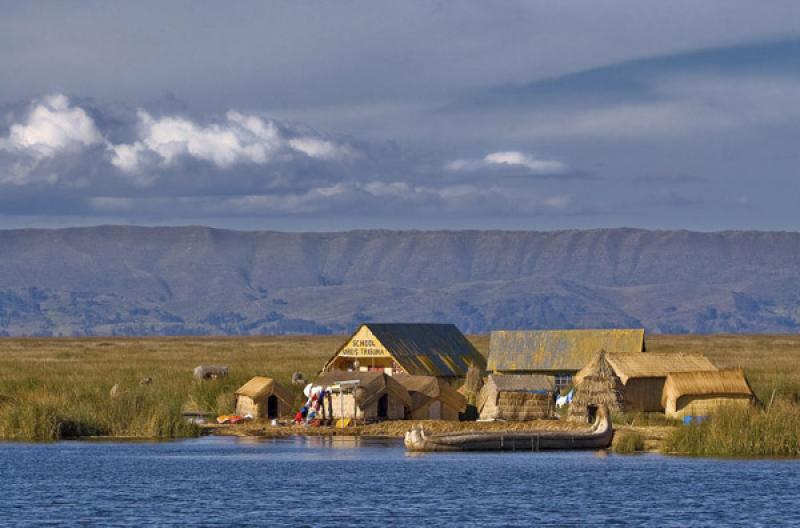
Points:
[(325, 116)]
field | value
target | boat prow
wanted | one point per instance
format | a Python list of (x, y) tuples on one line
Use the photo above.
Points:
[(597, 437)]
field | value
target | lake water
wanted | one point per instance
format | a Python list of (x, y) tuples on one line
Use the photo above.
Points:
[(347, 481)]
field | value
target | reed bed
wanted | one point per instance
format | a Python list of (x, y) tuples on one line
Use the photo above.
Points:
[(53, 388), (627, 442), (741, 432), (62, 388)]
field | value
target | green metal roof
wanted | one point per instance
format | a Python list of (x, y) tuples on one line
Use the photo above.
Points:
[(557, 350)]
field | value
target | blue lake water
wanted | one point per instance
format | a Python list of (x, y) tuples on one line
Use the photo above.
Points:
[(346, 481)]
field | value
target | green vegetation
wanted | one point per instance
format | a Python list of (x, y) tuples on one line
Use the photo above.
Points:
[(741, 432), (61, 388), (644, 419), (626, 442)]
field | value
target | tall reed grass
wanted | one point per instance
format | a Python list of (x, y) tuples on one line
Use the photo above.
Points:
[(741, 432), (61, 388)]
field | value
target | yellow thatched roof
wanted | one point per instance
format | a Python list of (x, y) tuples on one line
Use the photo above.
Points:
[(650, 365), (372, 385), (557, 350), (730, 382), (425, 388), (260, 386)]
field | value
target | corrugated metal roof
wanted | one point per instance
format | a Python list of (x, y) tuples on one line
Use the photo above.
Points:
[(651, 365), (720, 382), (557, 350), (428, 349)]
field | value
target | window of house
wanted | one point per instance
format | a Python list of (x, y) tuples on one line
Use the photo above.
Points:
[(563, 380)]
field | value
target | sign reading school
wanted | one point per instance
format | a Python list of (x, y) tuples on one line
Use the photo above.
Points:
[(361, 346)]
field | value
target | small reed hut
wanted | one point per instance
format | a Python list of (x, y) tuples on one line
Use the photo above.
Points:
[(596, 386), (432, 398), (643, 376), (375, 396), (516, 397), (702, 393), (263, 397)]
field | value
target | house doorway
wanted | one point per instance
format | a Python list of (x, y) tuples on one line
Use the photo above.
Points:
[(383, 407), (591, 413), (272, 407)]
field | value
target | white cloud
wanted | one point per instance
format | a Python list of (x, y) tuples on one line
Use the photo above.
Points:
[(320, 148), (520, 160), (380, 189), (306, 202), (238, 139), (52, 126)]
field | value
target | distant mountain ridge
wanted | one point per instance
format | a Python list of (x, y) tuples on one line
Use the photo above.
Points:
[(111, 280)]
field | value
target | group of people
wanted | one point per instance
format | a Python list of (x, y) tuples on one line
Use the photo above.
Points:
[(318, 401)]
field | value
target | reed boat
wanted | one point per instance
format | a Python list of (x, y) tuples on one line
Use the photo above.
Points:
[(597, 437)]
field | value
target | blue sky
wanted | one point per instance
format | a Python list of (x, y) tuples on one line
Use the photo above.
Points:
[(423, 115)]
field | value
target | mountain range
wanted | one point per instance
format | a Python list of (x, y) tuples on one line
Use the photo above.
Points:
[(124, 280)]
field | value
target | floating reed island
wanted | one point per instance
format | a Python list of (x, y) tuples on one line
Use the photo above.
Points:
[(737, 394)]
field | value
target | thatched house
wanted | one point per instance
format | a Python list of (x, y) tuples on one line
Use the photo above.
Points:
[(702, 393), (598, 386), (432, 398), (263, 397), (516, 397), (365, 396), (419, 349), (643, 376), (557, 353)]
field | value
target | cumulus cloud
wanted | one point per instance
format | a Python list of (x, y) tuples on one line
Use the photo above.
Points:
[(513, 159), (51, 126), (239, 138), (320, 148)]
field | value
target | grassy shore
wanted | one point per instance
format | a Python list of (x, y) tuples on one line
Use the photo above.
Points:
[(737, 432), (57, 388)]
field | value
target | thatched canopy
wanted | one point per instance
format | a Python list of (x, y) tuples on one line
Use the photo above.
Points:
[(598, 386), (371, 386), (423, 389), (726, 382), (261, 386), (650, 365)]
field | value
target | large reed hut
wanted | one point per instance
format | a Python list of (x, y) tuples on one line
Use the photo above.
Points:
[(263, 397), (367, 396), (516, 397), (702, 393), (557, 353), (597, 386), (439, 350), (432, 398), (644, 375)]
